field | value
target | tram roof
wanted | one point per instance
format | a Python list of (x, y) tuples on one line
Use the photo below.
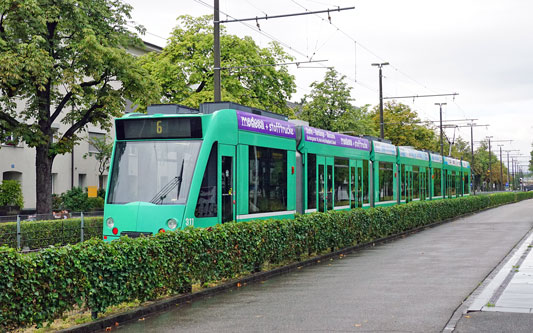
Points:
[(317, 135)]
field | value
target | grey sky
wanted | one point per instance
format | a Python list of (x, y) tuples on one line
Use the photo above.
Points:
[(482, 49)]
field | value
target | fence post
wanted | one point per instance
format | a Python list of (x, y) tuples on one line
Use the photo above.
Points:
[(18, 232), (82, 226)]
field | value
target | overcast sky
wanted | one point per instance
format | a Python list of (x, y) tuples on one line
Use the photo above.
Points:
[(481, 49)]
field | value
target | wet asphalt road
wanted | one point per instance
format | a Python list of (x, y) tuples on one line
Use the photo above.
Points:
[(410, 285)]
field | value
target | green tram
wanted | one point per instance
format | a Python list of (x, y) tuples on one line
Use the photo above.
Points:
[(385, 174), (436, 165), (176, 167), (415, 176)]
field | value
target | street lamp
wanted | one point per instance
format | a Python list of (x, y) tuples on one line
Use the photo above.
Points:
[(381, 124)]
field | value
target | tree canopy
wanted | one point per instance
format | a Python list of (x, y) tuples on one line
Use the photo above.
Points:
[(404, 128), (250, 76), (65, 61), (329, 106)]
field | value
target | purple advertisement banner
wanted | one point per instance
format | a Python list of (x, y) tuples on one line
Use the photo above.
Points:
[(264, 125), (335, 139)]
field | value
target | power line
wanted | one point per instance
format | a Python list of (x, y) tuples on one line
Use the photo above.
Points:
[(266, 17)]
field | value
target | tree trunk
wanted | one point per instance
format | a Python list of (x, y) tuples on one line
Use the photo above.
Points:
[(43, 169)]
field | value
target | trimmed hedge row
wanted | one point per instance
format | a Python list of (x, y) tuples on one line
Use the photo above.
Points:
[(40, 234), (40, 287)]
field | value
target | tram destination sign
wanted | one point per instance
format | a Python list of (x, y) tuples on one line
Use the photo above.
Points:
[(264, 125), (335, 139), (159, 128)]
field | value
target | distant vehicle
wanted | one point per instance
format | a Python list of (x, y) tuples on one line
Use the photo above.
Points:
[(177, 167)]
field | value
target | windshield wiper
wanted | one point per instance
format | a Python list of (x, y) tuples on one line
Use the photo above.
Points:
[(162, 194)]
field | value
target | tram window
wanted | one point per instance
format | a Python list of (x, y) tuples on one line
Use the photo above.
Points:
[(466, 183), (159, 172), (453, 181), (342, 197), (311, 181), (386, 183), (437, 182), (207, 198), (416, 183), (268, 180), (366, 179)]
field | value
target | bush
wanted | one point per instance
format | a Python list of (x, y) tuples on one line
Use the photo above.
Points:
[(39, 288), (11, 194), (41, 234), (77, 200)]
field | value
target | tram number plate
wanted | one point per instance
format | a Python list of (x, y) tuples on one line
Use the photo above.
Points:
[(189, 222)]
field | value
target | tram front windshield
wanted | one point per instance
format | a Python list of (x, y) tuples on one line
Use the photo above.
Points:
[(159, 172)]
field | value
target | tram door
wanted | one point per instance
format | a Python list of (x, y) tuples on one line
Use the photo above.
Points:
[(356, 184), (407, 183), (325, 183), (423, 183), (227, 182)]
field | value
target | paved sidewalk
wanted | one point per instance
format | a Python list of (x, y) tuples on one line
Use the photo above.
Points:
[(505, 301), (413, 284)]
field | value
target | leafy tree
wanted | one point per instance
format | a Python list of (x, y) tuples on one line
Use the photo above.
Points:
[(184, 68), (329, 107), (65, 61), (104, 149), (404, 128), (481, 169)]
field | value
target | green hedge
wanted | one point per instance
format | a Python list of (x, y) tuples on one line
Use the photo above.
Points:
[(40, 234), (39, 287)]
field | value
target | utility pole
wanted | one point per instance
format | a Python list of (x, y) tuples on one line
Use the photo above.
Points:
[(216, 36), (490, 165), (216, 53), (381, 124), (472, 125), (441, 144), (472, 151), (509, 166), (501, 169)]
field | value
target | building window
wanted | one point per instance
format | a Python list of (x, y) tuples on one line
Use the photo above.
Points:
[(267, 179), (386, 182), (92, 138), (82, 180), (206, 206), (54, 183)]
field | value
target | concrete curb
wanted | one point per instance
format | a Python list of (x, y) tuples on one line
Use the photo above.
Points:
[(142, 311)]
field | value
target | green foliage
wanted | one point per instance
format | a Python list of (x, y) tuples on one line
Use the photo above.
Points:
[(11, 194), (485, 171), (77, 200), (329, 106), (41, 234), (68, 61), (184, 69), (404, 128), (38, 288)]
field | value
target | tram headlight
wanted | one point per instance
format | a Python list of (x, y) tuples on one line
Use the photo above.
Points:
[(172, 223), (110, 223)]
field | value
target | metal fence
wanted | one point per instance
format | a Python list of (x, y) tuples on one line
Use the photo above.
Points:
[(31, 232)]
